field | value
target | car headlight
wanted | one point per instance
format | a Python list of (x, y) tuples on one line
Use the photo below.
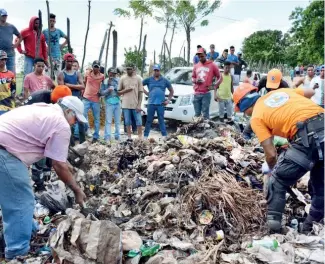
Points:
[(186, 100)]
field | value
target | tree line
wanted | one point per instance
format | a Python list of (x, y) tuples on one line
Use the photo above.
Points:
[(302, 44)]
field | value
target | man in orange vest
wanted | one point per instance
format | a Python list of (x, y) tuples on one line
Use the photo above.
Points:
[(289, 114)]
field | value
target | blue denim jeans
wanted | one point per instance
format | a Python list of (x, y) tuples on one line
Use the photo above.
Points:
[(128, 113), (28, 65), (201, 103), (225, 104), (151, 109), (17, 205), (95, 108), (11, 64), (112, 110)]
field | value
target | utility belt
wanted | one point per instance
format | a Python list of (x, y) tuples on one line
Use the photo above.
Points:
[(310, 131)]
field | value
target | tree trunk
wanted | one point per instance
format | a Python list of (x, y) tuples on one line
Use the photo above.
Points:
[(164, 59), (188, 39), (103, 46), (168, 51), (114, 48), (180, 52), (144, 55), (140, 40), (68, 36), (170, 45), (163, 42), (86, 37), (107, 46)]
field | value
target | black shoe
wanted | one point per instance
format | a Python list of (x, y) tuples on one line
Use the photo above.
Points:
[(129, 140), (94, 140), (221, 120), (39, 188)]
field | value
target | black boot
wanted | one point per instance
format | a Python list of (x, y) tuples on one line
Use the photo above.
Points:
[(274, 221)]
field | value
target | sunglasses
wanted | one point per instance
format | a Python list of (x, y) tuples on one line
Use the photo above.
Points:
[(4, 59)]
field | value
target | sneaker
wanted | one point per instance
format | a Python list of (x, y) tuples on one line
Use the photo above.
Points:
[(95, 140), (89, 135), (129, 140)]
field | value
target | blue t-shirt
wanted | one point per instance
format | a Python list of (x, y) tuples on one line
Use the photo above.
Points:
[(157, 89), (214, 56), (196, 59), (55, 42), (232, 58)]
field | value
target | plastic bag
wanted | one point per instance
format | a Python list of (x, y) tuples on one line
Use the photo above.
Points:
[(55, 199)]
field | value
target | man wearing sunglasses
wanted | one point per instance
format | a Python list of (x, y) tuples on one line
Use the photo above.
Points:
[(7, 85)]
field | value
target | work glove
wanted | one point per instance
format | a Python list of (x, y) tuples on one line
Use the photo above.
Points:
[(265, 168)]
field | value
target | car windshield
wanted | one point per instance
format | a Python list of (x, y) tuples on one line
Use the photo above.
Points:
[(181, 77), (171, 74)]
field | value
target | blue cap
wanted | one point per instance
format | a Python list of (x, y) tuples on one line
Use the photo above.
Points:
[(156, 67), (3, 12)]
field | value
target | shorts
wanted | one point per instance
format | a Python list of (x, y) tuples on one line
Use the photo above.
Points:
[(127, 117)]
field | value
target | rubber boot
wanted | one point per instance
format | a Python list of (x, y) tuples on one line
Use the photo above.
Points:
[(314, 216), (274, 221)]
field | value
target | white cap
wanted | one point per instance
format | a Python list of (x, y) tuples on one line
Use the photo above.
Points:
[(75, 104)]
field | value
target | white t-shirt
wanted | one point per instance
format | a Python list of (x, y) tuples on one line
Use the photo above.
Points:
[(307, 82), (318, 92)]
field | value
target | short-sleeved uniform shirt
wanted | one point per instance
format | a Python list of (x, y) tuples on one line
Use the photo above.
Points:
[(157, 89), (232, 58), (34, 82), (130, 100), (55, 37), (33, 132), (278, 112)]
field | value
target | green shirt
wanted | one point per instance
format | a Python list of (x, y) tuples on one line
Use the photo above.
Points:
[(224, 91)]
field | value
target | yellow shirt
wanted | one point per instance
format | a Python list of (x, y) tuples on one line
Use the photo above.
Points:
[(224, 90)]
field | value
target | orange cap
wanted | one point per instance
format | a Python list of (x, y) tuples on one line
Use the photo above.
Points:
[(60, 91), (240, 93), (274, 77)]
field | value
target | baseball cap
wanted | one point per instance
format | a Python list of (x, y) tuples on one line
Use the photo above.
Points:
[(60, 91), (156, 67), (68, 56), (3, 55), (3, 12), (112, 70), (274, 77), (96, 63), (74, 103), (200, 51), (129, 65)]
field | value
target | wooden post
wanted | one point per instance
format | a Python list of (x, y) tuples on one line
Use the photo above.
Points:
[(144, 55), (114, 48), (102, 47), (49, 40), (154, 57), (86, 37), (68, 35), (39, 33), (108, 39), (184, 57)]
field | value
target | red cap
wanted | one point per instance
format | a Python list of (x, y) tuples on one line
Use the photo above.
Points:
[(68, 56), (200, 51)]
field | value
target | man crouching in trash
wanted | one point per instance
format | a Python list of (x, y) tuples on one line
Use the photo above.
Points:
[(289, 114), (28, 134)]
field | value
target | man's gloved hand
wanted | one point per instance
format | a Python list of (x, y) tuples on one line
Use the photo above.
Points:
[(265, 168)]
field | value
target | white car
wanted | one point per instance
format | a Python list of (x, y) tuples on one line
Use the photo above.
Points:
[(181, 107)]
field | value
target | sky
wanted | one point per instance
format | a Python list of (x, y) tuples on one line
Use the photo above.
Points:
[(228, 25)]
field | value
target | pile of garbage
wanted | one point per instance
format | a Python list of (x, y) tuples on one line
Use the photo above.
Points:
[(195, 198)]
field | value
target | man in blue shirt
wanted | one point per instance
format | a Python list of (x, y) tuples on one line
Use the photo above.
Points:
[(212, 55), (157, 85), (196, 58), (54, 43), (233, 59)]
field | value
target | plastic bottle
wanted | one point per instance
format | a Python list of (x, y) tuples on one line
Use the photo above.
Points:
[(150, 250), (294, 224), (272, 244)]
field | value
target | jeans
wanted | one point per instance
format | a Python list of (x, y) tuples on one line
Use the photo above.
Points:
[(128, 113), (201, 103), (151, 109), (11, 64), (17, 205), (95, 108), (225, 104), (112, 110), (81, 133), (2, 112)]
